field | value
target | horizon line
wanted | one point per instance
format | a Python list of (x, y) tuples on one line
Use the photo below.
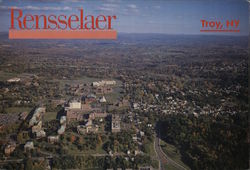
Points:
[(177, 34)]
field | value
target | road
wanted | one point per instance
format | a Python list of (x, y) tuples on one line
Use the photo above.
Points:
[(163, 158), (51, 155)]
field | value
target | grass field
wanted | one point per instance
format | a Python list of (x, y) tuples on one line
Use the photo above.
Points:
[(112, 97), (170, 167), (5, 76), (152, 150), (48, 116), (81, 80), (18, 109)]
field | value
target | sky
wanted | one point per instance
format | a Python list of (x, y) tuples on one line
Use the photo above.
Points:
[(142, 16)]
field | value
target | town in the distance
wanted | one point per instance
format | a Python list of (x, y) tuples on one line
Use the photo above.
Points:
[(144, 101)]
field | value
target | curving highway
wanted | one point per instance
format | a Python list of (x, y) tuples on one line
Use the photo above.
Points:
[(163, 158)]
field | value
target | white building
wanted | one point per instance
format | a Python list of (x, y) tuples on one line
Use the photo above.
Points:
[(61, 130), (13, 80), (104, 83), (36, 117), (63, 119), (53, 139), (75, 105), (135, 106), (115, 124)]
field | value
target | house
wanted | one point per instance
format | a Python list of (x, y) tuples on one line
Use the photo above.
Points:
[(134, 138), (28, 146), (146, 168), (53, 139), (40, 134), (142, 133), (135, 106), (10, 147)]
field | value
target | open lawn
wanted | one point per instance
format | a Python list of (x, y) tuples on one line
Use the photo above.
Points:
[(48, 116), (170, 167), (82, 80), (4, 76), (18, 109), (112, 97)]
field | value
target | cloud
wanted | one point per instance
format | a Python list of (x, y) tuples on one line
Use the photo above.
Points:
[(152, 22), (47, 8), (130, 9), (36, 8), (3, 7), (113, 1), (105, 9), (32, 8), (108, 7), (132, 6), (157, 7), (73, 1)]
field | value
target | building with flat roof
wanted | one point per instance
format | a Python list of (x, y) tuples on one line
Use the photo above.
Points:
[(104, 83), (37, 116), (62, 129), (87, 128), (115, 124), (53, 139), (13, 80), (75, 104)]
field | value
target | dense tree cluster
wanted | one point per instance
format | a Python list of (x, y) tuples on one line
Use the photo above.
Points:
[(208, 142)]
